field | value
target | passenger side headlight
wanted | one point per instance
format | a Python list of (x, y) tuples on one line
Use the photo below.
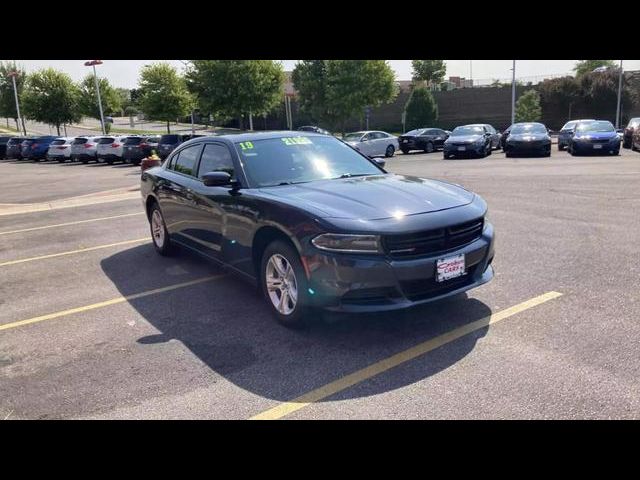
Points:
[(336, 242)]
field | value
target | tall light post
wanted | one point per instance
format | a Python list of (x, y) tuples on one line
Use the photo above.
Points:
[(93, 63), (619, 97), (13, 76), (193, 128), (513, 94)]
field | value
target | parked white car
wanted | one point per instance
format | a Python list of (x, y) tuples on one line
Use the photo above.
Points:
[(373, 143), (110, 149), (84, 149), (60, 149)]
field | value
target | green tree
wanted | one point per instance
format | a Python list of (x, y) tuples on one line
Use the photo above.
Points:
[(431, 72), (421, 109), (111, 101), (587, 66), (7, 95), (599, 90), (163, 93), (309, 78), (561, 92), (528, 107), (124, 94), (233, 88), (352, 85), (51, 97)]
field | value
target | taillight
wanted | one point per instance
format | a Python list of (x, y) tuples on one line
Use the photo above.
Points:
[(144, 144), (34, 145), (87, 145), (115, 145), (62, 148)]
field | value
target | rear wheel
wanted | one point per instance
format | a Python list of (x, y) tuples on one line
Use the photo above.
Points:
[(561, 147), (284, 284), (626, 143), (159, 233), (428, 148), (405, 150), (390, 151)]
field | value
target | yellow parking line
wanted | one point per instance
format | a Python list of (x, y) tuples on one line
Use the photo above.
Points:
[(80, 250), (397, 359), (78, 222), (106, 303)]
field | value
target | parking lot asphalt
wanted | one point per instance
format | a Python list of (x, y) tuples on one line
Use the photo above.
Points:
[(94, 324)]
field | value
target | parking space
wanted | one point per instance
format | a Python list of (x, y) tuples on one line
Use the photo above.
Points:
[(94, 324)]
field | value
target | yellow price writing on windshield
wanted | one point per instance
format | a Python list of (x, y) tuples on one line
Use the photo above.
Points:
[(246, 145)]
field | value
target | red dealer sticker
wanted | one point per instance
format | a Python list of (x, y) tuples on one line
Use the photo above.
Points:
[(450, 267)]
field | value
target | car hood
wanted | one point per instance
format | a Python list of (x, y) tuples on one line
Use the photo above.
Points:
[(528, 137), (464, 139), (371, 198), (596, 135)]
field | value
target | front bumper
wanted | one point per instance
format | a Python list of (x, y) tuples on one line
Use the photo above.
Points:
[(591, 147), (83, 156), (469, 149), (357, 283), (527, 147), (109, 156)]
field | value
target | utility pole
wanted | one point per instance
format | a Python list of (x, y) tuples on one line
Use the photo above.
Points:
[(513, 94), (93, 63), (193, 128), (13, 76), (619, 97)]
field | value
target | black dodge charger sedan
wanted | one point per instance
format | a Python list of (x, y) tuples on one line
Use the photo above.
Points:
[(528, 138), (427, 139), (315, 223)]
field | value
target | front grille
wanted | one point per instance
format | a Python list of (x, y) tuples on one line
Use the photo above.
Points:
[(370, 296), (600, 140), (433, 241), (416, 290)]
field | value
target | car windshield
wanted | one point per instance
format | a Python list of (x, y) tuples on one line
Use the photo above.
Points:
[(569, 125), (528, 128), (353, 137), (634, 122), (601, 126), (467, 131), (300, 159), (416, 132)]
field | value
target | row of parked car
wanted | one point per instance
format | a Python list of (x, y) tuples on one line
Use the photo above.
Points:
[(103, 149)]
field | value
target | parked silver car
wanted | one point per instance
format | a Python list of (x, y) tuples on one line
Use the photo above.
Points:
[(84, 149), (60, 149), (110, 149), (373, 143)]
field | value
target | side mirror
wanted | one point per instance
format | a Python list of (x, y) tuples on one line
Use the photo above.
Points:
[(364, 139), (620, 130), (379, 161), (216, 179)]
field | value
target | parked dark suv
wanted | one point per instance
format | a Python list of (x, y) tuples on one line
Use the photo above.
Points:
[(3, 146), (14, 148), (169, 142), (136, 148)]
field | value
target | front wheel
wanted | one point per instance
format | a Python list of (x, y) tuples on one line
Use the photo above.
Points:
[(561, 147), (159, 233), (284, 284), (626, 143), (405, 151), (428, 148), (390, 151)]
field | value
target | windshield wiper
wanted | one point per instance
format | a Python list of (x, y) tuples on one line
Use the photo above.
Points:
[(350, 175)]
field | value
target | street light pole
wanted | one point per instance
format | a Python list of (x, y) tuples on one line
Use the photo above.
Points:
[(619, 97), (513, 94), (13, 76), (193, 128), (93, 64)]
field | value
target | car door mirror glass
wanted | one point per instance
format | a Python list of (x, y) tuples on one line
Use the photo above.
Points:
[(216, 179)]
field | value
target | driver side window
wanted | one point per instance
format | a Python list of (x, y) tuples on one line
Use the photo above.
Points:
[(215, 158)]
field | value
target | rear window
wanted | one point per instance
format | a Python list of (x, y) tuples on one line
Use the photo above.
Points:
[(169, 139), (634, 122), (15, 141), (80, 141), (569, 125), (133, 141), (106, 140), (152, 139), (58, 142)]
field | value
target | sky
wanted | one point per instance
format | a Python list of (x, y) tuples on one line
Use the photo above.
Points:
[(124, 73)]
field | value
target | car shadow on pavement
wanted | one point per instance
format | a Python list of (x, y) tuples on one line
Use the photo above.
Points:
[(226, 324)]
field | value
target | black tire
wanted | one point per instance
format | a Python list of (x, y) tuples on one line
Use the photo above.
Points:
[(109, 162), (61, 160), (404, 151), (561, 147), (299, 316), (489, 150), (507, 154), (616, 152), (161, 239), (390, 151), (84, 161), (445, 156), (626, 143), (548, 153), (634, 148), (428, 148)]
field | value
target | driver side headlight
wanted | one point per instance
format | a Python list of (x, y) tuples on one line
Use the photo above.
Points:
[(337, 242)]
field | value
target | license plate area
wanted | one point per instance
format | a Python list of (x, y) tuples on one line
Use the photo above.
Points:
[(450, 267), (462, 149)]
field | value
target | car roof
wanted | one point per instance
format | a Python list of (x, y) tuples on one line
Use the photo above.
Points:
[(263, 135)]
